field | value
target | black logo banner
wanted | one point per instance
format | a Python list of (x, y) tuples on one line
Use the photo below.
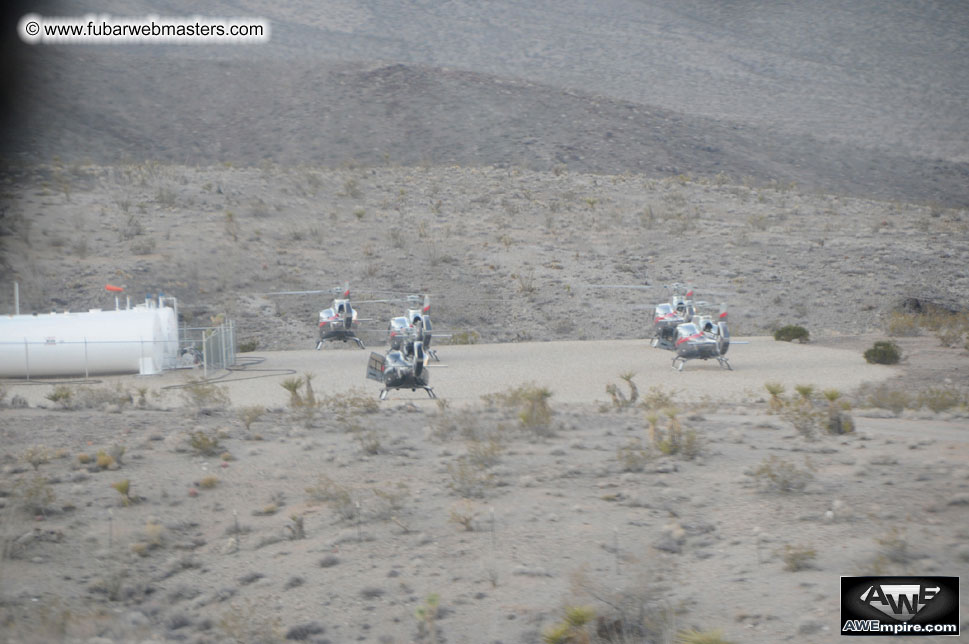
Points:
[(899, 606)]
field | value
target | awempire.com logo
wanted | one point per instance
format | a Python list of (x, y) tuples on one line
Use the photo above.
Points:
[(899, 606)]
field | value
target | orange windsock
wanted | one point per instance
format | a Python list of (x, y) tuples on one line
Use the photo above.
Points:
[(113, 289)]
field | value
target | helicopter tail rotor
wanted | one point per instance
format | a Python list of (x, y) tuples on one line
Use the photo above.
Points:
[(723, 339)]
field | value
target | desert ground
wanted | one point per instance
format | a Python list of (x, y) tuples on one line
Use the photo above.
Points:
[(544, 172)]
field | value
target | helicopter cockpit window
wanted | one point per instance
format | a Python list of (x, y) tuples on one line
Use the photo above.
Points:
[(326, 314), (686, 330)]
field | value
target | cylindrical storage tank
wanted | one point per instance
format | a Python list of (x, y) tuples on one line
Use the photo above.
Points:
[(169, 332), (73, 344)]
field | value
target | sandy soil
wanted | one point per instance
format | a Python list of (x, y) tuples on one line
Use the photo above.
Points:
[(492, 524)]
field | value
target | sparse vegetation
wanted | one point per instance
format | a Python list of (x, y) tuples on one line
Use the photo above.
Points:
[(204, 444), (249, 415), (205, 397), (573, 628), (340, 498), (468, 479), (465, 337), (792, 333), (208, 482), (693, 636), (798, 557), (619, 399), (883, 352), (123, 488), (463, 514), (426, 615), (777, 475), (531, 401)]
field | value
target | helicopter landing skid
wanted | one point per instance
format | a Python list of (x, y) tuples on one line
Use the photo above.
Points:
[(320, 343), (384, 392), (679, 363)]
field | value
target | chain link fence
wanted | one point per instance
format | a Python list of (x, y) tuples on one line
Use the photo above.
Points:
[(212, 347)]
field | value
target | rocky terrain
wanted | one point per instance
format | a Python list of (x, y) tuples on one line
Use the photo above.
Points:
[(543, 172)]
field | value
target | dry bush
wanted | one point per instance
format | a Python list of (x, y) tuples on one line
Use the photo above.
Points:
[(798, 557), (204, 444), (205, 397), (531, 403), (619, 399), (340, 498), (777, 475), (673, 439), (884, 396), (249, 415), (469, 480), (634, 456)]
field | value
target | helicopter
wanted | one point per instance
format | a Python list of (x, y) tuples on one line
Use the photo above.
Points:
[(668, 316), (404, 368), (336, 323), (414, 325), (703, 337)]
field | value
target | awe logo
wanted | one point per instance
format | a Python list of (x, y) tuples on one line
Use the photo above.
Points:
[(900, 606), (899, 601)]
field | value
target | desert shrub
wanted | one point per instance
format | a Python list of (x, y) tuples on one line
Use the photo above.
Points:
[(883, 352), (208, 482), (103, 460), (37, 455), (657, 398), (369, 440), (484, 453), (34, 495), (673, 439), (776, 390), (950, 336), (350, 403), (573, 628), (469, 480), (204, 444), (619, 399), (884, 396), (839, 420), (339, 497), (463, 515), (893, 546), (798, 557), (465, 337), (244, 623), (426, 615), (205, 396), (531, 401), (902, 324), (249, 415), (248, 346), (939, 398), (61, 396), (633, 456), (803, 415), (777, 475), (790, 333), (123, 487), (693, 636)]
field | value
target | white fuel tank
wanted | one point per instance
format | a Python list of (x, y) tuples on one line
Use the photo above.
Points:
[(139, 340)]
